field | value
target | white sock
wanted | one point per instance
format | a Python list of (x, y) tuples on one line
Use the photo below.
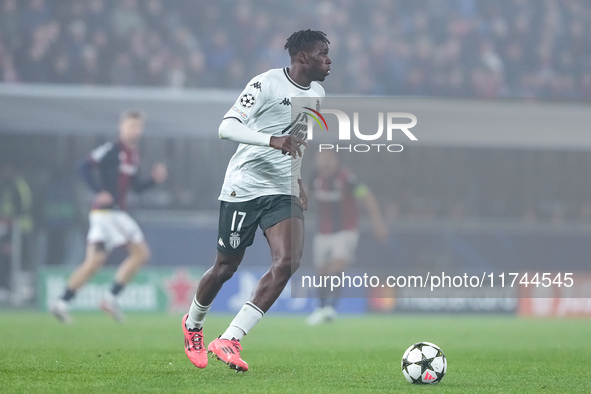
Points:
[(110, 297), (63, 304), (197, 314), (244, 321)]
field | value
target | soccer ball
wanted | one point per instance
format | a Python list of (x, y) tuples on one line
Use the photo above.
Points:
[(424, 363)]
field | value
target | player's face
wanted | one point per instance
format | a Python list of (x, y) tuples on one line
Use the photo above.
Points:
[(319, 62), (130, 130)]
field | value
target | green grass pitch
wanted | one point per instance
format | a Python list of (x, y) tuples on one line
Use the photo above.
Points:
[(354, 354)]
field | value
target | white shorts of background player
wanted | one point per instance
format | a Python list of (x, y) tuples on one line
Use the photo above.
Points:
[(335, 246), (113, 228)]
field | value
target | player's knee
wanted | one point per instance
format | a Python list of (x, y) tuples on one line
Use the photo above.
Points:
[(92, 265), (225, 272), (141, 252), (145, 254), (295, 264), (285, 264), (225, 269)]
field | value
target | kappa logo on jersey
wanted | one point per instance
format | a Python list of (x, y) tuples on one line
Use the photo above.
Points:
[(234, 240), (247, 100), (285, 102), (257, 85), (221, 242)]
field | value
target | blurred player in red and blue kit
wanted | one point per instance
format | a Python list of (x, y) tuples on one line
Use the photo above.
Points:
[(110, 172), (336, 191)]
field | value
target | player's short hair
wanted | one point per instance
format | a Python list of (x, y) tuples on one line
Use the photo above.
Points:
[(131, 114), (304, 40)]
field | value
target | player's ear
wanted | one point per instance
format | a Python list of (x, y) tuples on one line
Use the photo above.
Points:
[(303, 57)]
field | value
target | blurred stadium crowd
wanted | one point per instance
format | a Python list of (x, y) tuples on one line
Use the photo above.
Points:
[(467, 48)]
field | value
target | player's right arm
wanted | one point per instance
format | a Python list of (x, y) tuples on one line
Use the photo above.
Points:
[(237, 122), (232, 129), (363, 193), (103, 198)]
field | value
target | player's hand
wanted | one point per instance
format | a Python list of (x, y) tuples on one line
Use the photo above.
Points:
[(303, 196), (288, 145), (103, 199), (159, 172), (380, 231)]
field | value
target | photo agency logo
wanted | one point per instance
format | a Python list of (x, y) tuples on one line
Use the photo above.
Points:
[(356, 129)]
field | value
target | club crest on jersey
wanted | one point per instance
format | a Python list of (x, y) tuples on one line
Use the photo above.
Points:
[(247, 100), (234, 240)]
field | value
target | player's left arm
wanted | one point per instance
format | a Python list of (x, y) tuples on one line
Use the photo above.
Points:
[(158, 175), (364, 194)]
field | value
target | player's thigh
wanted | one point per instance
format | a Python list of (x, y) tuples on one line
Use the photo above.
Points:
[(283, 225), (128, 231), (237, 226), (229, 262), (140, 250), (95, 255), (286, 240)]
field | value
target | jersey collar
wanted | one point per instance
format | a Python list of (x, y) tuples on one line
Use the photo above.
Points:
[(286, 72), (127, 148)]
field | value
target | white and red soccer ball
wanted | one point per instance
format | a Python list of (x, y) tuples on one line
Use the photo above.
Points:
[(424, 363)]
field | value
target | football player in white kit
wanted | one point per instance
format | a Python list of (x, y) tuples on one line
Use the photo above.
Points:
[(262, 188)]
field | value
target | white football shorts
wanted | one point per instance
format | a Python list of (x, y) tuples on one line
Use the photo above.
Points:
[(113, 228), (335, 246)]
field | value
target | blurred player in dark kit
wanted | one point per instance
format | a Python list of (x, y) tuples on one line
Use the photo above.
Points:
[(110, 172), (337, 192)]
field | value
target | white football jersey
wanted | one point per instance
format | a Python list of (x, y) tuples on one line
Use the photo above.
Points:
[(265, 106)]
